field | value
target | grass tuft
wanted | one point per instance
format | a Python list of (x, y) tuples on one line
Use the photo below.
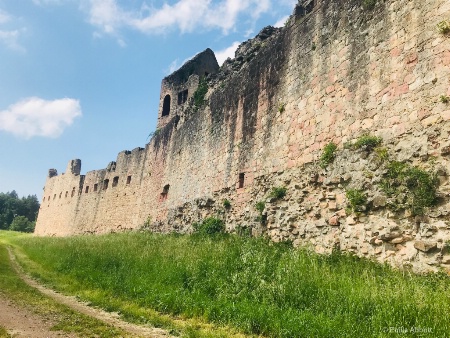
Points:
[(278, 192), (357, 199), (328, 154), (367, 142)]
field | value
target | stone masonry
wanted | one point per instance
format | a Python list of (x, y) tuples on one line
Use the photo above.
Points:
[(337, 70)]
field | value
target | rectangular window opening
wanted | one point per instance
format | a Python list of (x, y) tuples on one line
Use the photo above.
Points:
[(95, 186), (241, 180), (165, 192), (86, 190), (115, 181), (105, 184), (128, 179), (182, 97)]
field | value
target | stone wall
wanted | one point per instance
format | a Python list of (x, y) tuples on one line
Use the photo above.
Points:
[(335, 71)]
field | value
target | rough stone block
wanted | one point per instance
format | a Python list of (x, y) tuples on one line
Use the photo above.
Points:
[(425, 246)]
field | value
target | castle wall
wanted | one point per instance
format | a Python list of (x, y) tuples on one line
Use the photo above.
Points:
[(332, 74)]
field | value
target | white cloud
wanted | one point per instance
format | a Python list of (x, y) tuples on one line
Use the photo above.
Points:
[(223, 54), (37, 117), (282, 21), (185, 15)]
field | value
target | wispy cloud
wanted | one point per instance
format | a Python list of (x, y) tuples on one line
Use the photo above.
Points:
[(226, 53), (37, 117), (281, 22), (10, 37), (4, 17), (174, 65), (184, 15), (47, 2)]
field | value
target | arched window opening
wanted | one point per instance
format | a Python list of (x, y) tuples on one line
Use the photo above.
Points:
[(166, 106)]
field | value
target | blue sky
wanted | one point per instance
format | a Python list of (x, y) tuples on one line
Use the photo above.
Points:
[(81, 78)]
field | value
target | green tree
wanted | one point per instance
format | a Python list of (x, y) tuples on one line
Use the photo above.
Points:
[(11, 207), (21, 223)]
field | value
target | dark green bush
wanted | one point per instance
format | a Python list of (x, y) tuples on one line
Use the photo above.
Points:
[(209, 226), (278, 192), (419, 185), (260, 206), (328, 155)]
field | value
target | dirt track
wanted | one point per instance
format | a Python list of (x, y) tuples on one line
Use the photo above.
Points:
[(20, 322)]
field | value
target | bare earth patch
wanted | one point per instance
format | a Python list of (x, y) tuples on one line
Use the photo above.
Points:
[(20, 322), (17, 320)]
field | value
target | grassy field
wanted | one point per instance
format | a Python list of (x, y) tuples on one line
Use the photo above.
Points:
[(254, 286), (12, 287)]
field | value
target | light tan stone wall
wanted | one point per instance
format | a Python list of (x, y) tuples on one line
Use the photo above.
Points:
[(331, 75)]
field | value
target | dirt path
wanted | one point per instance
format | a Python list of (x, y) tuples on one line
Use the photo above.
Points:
[(19, 314), (20, 322)]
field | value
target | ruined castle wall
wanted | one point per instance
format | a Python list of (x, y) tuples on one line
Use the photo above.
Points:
[(330, 75), (338, 72), (59, 205)]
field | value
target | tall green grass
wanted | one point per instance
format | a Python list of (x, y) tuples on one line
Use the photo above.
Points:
[(255, 286)]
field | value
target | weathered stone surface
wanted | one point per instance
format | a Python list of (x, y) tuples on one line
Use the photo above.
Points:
[(425, 246), (379, 201), (334, 220)]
